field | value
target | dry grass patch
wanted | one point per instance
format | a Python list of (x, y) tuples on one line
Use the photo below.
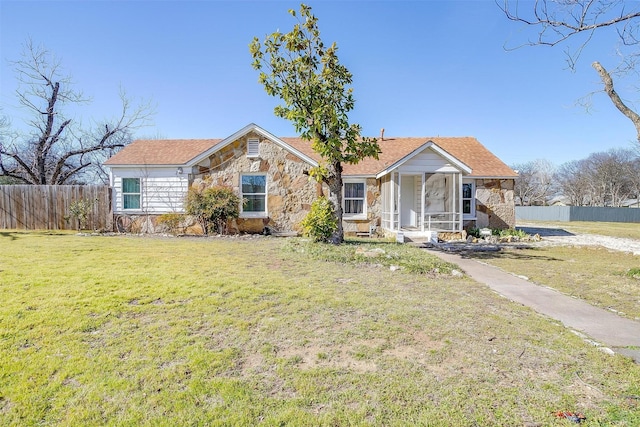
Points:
[(263, 331)]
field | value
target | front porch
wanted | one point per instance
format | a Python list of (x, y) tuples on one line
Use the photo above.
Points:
[(418, 204)]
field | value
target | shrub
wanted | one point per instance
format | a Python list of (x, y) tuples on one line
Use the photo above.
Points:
[(510, 232), (473, 231), (212, 207), (320, 222), (634, 273), (172, 221), (80, 210)]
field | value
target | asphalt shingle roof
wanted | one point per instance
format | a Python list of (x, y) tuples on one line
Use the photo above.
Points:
[(468, 150), (161, 151)]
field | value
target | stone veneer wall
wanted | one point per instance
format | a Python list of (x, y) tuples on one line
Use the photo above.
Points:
[(495, 204), (290, 192), (374, 210)]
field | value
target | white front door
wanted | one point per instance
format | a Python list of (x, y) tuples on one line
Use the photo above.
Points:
[(407, 202)]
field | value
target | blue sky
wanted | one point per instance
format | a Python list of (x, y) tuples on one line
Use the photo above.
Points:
[(421, 68)]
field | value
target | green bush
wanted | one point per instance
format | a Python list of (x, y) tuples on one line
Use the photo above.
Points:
[(509, 232), (634, 273), (473, 231), (80, 210), (212, 207), (172, 221), (320, 222)]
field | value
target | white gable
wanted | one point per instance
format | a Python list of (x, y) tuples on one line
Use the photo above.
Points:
[(260, 131), (427, 161), (428, 158)]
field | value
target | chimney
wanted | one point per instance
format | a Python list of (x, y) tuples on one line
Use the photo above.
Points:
[(382, 134)]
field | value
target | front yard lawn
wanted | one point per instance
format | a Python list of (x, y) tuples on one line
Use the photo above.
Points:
[(597, 275), (100, 330)]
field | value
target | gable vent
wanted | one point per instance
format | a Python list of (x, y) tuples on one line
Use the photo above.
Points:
[(253, 147)]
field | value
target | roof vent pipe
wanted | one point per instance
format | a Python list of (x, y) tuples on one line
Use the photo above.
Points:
[(382, 134)]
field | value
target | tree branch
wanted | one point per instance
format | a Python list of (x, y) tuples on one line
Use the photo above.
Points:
[(588, 18), (613, 95)]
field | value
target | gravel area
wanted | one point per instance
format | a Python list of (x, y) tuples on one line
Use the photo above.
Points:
[(555, 236)]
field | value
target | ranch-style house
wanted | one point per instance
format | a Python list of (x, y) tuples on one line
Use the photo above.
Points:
[(417, 186)]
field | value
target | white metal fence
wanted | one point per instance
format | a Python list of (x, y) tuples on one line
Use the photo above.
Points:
[(576, 213)]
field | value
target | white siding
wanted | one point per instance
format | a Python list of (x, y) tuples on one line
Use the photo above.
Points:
[(427, 161), (163, 189)]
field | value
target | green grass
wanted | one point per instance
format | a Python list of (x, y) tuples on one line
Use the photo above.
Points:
[(99, 330), (602, 277)]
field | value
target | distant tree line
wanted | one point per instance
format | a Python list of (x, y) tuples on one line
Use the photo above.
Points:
[(609, 178)]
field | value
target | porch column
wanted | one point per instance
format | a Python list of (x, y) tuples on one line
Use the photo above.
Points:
[(422, 196), (460, 213), (399, 201), (392, 184)]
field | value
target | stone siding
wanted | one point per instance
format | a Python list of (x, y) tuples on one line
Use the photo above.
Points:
[(290, 191), (495, 204)]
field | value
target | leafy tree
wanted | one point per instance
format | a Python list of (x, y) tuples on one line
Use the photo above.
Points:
[(558, 21), (57, 150), (212, 207), (299, 69)]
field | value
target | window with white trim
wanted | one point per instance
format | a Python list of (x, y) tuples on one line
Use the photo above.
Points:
[(254, 194), (253, 147), (468, 205), (354, 198), (131, 193)]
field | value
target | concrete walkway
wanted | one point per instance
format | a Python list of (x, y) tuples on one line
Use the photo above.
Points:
[(603, 326)]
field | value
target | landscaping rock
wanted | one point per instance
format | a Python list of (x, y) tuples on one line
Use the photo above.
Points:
[(370, 253)]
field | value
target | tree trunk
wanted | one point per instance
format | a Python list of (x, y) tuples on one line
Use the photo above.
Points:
[(335, 196), (620, 105)]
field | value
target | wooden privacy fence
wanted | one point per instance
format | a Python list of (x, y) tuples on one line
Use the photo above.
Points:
[(46, 207)]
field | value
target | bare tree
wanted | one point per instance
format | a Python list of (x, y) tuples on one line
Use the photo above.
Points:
[(534, 185), (633, 171), (557, 21), (573, 184), (602, 179), (609, 176), (57, 150)]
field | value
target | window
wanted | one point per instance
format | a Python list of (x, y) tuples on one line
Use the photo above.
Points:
[(467, 198), (253, 148), (254, 195), (131, 193), (354, 198)]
